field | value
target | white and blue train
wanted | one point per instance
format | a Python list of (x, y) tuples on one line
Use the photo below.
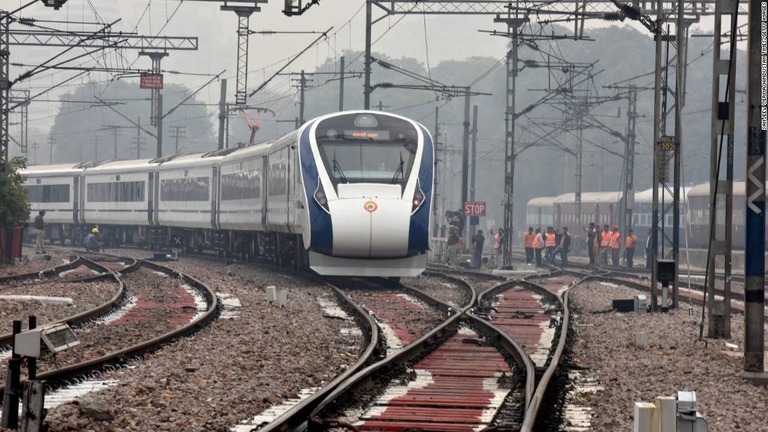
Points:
[(348, 193)]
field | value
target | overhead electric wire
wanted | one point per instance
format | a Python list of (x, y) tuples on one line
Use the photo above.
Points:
[(264, 84), (78, 44)]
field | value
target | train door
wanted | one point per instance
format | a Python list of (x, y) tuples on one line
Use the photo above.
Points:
[(290, 211), (156, 199), (150, 196), (76, 200), (215, 204), (265, 191), (82, 202)]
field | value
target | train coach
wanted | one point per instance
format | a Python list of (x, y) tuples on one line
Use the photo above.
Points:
[(539, 212), (700, 205), (602, 208), (348, 193)]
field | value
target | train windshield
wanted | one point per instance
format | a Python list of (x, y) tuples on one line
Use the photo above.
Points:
[(367, 148)]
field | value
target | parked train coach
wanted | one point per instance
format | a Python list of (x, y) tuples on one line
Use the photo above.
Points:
[(700, 205), (348, 193), (602, 208)]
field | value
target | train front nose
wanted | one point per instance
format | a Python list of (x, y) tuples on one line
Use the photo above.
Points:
[(374, 226)]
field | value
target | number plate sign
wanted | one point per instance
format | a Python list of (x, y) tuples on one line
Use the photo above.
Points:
[(474, 208), (665, 150), (151, 81)]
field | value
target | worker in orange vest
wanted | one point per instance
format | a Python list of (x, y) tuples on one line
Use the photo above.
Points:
[(550, 243), (615, 245), (605, 245), (538, 245), (528, 245), (629, 248)]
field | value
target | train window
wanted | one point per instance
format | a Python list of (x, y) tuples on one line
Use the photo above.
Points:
[(185, 189), (131, 191), (354, 153), (47, 193), (278, 179), (241, 185)]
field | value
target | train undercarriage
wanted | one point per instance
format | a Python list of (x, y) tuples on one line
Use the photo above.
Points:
[(282, 249)]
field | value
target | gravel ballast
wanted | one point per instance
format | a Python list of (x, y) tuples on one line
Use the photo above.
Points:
[(672, 359), (230, 370)]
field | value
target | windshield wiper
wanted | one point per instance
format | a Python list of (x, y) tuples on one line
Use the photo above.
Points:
[(337, 171), (399, 171)]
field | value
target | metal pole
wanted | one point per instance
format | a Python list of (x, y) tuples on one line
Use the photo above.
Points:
[(302, 87), (473, 227), (138, 138), (32, 361), (435, 210), (226, 127), (721, 191), (465, 161), (657, 112), (679, 90), (5, 95), (10, 418), (51, 141), (754, 267), (114, 136), (579, 158), (367, 68), (160, 125), (629, 162), (341, 83), (241, 85), (222, 113), (510, 117)]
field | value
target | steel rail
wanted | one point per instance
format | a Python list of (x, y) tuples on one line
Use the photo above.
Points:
[(42, 273), (532, 414), (428, 342), (298, 415), (533, 397), (363, 375), (293, 418), (58, 377), (90, 314)]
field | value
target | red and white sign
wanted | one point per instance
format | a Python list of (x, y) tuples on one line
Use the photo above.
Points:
[(474, 208), (151, 81)]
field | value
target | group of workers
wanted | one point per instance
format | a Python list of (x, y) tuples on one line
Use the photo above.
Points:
[(550, 243), (91, 242), (543, 247), (455, 244)]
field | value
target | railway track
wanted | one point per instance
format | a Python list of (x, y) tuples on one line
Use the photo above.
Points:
[(103, 272), (49, 273), (99, 352), (467, 373)]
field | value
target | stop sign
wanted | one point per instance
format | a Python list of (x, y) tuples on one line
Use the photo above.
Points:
[(474, 208)]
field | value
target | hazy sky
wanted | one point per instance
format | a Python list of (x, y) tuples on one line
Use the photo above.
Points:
[(431, 40)]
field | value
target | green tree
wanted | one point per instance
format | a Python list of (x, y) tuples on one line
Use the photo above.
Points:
[(14, 208)]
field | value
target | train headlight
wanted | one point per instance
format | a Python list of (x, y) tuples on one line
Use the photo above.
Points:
[(321, 198), (418, 198)]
